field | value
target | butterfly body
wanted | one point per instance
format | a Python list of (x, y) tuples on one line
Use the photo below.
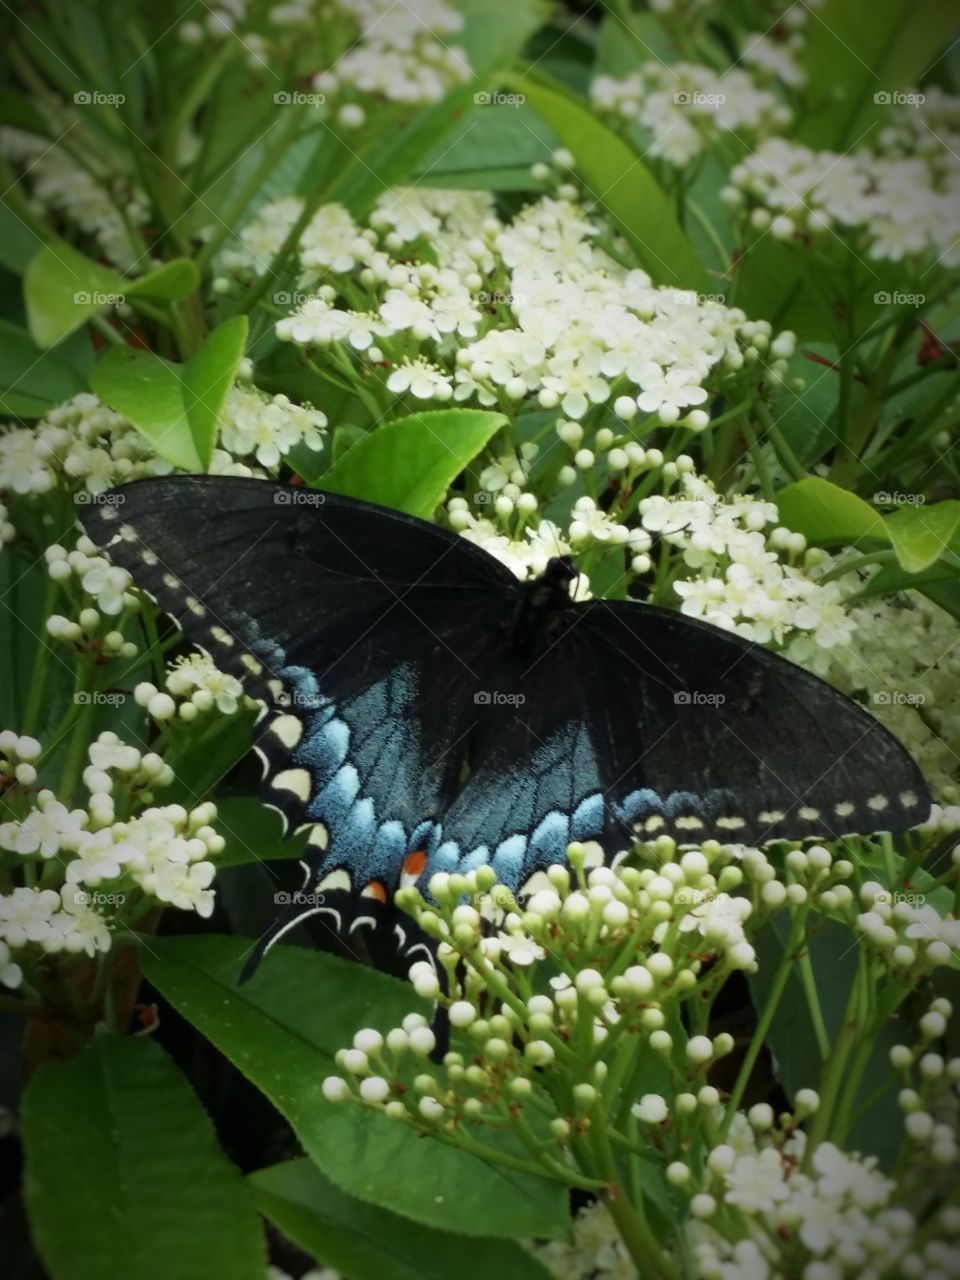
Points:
[(426, 711)]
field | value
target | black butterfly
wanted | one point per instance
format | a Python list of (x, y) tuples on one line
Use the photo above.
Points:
[(428, 711)]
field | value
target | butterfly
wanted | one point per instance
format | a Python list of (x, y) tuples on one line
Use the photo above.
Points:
[(425, 710)]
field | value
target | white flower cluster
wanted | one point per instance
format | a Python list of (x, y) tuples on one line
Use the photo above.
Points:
[(774, 59), (526, 556), (53, 920), (685, 107), (530, 310), (395, 52), (904, 933), (198, 683), (742, 577), (81, 443), (18, 755), (791, 190), (838, 1219), (930, 127), (163, 851), (99, 204), (905, 665), (106, 589), (402, 53), (626, 913), (257, 426), (928, 1097)]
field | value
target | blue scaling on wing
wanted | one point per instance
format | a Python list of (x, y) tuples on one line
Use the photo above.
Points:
[(522, 821), (363, 759)]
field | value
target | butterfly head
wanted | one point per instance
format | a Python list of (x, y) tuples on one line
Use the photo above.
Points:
[(559, 573)]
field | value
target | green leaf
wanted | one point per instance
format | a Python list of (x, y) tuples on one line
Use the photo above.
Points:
[(177, 407), (32, 380), (792, 1041), (201, 758), (617, 178), (623, 44), (773, 283), (124, 1175), (805, 417), (409, 463), (345, 436), (826, 514), (856, 49), (63, 289), (19, 242), (493, 149), (253, 833), (282, 1030), (494, 31), (369, 1244), (921, 534)]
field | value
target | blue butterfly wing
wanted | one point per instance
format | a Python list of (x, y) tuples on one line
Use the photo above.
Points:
[(362, 630), (639, 721), (704, 734)]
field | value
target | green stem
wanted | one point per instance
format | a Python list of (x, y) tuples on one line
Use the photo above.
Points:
[(494, 1156), (631, 1222), (835, 1065), (809, 982), (41, 664), (786, 455), (756, 453), (777, 988)]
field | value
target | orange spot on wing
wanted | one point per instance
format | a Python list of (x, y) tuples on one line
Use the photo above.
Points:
[(375, 890), (415, 863)]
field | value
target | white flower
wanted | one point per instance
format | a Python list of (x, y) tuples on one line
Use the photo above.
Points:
[(423, 380), (267, 428), (195, 677), (667, 393)]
